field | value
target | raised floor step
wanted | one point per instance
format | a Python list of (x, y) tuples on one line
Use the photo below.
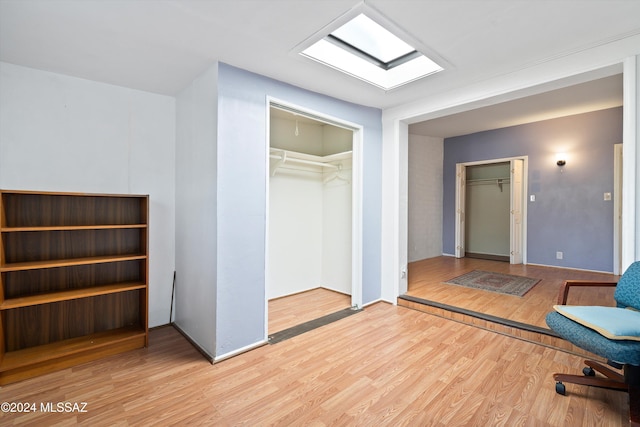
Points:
[(499, 325)]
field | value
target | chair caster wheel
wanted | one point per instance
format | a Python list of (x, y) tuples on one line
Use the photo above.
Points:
[(561, 389), (589, 372)]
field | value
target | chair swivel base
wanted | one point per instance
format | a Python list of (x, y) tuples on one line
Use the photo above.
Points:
[(612, 379)]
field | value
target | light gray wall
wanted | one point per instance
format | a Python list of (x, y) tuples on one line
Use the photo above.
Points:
[(62, 133), (196, 209), (425, 197), (570, 214), (242, 183)]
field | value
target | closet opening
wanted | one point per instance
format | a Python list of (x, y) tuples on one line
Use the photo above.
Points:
[(313, 245), (488, 200), (490, 210)]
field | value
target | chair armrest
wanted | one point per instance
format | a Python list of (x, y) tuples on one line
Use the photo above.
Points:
[(568, 284)]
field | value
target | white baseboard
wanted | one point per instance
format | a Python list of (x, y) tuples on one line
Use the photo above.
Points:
[(570, 268), (240, 351)]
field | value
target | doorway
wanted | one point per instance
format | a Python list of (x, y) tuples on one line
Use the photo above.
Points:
[(313, 212), (490, 210), (487, 203)]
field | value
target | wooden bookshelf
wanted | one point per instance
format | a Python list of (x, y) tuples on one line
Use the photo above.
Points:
[(73, 279), (72, 227), (46, 298), (34, 265)]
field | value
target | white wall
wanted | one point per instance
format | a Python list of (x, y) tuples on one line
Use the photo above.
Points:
[(196, 210), (425, 197), (295, 231), (61, 133), (336, 231), (337, 214)]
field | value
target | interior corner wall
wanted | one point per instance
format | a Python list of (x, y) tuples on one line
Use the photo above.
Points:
[(569, 213), (425, 197), (63, 133), (337, 198), (296, 232), (242, 183), (196, 210)]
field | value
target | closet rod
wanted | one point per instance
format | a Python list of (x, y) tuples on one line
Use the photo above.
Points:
[(284, 158), (489, 180)]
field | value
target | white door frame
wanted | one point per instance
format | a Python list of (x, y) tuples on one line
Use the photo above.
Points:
[(356, 197), (461, 208), (517, 228), (517, 209), (617, 209)]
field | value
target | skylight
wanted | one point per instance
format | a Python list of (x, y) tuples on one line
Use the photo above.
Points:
[(366, 50), (366, 35)]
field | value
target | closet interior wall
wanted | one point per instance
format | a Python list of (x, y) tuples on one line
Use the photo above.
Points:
[(488, 197), (309, 206)]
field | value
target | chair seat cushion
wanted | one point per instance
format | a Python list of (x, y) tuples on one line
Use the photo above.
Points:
[(621, 351), (613, 322)]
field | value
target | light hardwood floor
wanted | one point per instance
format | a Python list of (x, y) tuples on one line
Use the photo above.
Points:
[(426, 279), (385, 366), (299, 308)]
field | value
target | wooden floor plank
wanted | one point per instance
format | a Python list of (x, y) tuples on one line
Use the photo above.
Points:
[(388, 365), (302, 307), (427, 277)]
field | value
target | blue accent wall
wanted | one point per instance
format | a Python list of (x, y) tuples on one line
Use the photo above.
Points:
[(569, 213), (242, 183)]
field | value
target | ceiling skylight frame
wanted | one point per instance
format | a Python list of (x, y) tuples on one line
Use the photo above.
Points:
[(371, 58), (324, 47)]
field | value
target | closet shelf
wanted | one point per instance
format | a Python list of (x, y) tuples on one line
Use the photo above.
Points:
[(320, 159), (284, 159), (285, 156), (489, 180)]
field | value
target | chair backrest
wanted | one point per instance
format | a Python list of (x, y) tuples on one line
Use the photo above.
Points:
[(628, 289)]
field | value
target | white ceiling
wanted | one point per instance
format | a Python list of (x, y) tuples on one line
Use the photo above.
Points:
[(160, 46), (593, 95)]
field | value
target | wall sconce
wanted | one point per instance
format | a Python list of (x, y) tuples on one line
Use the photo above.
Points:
[(561, 159)]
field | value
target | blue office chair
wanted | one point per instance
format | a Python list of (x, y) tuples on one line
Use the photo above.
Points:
[(609, 332)]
